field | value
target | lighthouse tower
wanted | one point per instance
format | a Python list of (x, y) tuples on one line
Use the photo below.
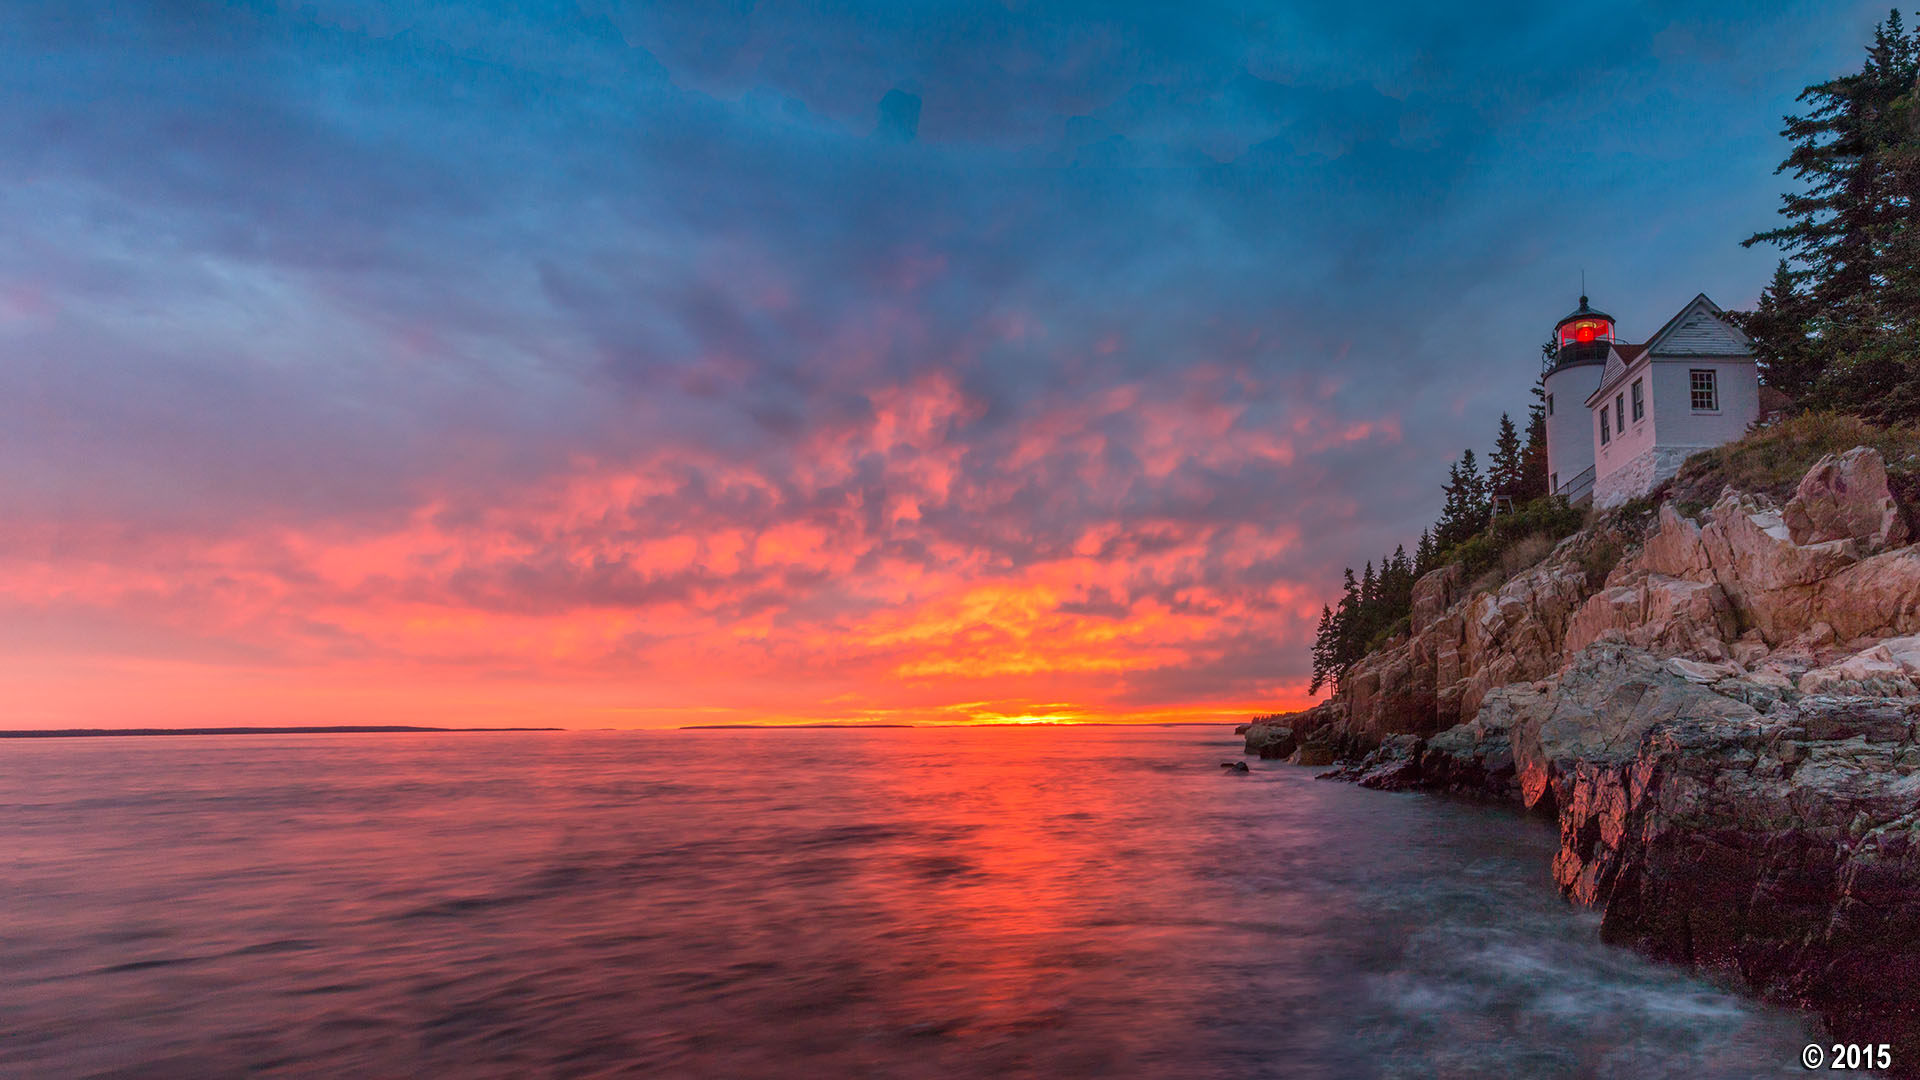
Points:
[(1584, 340)]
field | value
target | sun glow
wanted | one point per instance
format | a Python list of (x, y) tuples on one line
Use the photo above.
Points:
[(622, 593)]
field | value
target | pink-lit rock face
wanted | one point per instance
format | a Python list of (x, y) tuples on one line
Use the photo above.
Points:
[(1845, 497), (1725, 729)]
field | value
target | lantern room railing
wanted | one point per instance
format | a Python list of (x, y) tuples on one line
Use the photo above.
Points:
[(1594, 351)]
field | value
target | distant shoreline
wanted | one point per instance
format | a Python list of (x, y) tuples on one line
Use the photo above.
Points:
[(336, 729), (980, 724), (390, 729), (783, 727)]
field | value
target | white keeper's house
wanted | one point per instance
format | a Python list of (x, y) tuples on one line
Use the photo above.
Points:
[(1621, 418)]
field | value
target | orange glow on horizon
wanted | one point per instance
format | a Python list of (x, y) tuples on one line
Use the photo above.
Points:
[(606, 597)]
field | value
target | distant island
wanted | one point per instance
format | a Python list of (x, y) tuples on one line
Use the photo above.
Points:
[(972, 724), (783, 727), (336, 729)]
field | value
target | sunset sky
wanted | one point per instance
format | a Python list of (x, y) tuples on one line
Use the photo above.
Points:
[(605, 363)]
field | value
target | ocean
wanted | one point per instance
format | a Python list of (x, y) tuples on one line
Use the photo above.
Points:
[(929, 902)]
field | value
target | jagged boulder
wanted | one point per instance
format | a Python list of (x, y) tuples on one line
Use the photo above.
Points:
[(1516, 633), (1270, 741), (1275, 737), (1877, 597), (1477, 757), (1609, 696), (1324, 745), (1434, 593), (1753, 579), (1716, 800), (1675, 548), (1778, 577), (1751, 549), (1784, 846), (1846, 497), (1394, 690), (1392, 766), (1666, 615), (1442, 672), (1890, 668)]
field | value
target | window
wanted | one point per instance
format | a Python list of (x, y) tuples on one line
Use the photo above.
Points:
[(1639, 400), (1620, 413), (1603, 425), (1549, 404), (1553, 483), (1706, 395)]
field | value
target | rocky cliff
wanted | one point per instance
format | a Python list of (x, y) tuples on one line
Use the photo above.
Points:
[(1724, 715)]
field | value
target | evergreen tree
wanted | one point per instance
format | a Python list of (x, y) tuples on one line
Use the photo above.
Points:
[(1533, 458), (1374, 601), (1782, 328), (1839, 227), (1464, 512), (1839, 322), (1503, 468), (1346, 626), (1323, 648), (1445, 531), (1396, 589), (1476, 489), (1900, 162), (1424, 554)]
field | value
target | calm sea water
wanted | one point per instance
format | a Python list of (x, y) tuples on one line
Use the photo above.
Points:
[(920, 903)]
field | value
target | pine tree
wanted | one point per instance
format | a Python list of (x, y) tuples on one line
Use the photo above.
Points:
[(1782, 328), (1397, 585), (1851, 291), (1900, 160), (1464, 513), (1424, 554), (1402, 565), (1348, 641), (1323, 648), (1840, 223), (1375, 601), (1476, 490), (1533, 459), (1503, 468)]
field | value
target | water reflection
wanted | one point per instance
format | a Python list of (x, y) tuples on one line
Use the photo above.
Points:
[(1011, 901)]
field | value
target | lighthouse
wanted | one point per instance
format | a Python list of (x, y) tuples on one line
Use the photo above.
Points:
[(1622, 418), (1583, 339)]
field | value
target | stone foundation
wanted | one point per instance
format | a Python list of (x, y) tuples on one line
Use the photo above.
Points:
[(1639, 475)]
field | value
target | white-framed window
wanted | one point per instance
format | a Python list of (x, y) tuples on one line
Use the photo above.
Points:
[(1620, 413), (1705, 392), (1553, 483), (1639, 400), (1605, 435), (1549, 404)]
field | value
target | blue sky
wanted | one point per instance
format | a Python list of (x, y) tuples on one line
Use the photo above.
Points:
[(325, 268)]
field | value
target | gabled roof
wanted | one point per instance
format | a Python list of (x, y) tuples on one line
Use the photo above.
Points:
[(1616, 367), (1700, 329)]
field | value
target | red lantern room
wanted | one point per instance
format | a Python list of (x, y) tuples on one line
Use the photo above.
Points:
[(1584, 335)]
